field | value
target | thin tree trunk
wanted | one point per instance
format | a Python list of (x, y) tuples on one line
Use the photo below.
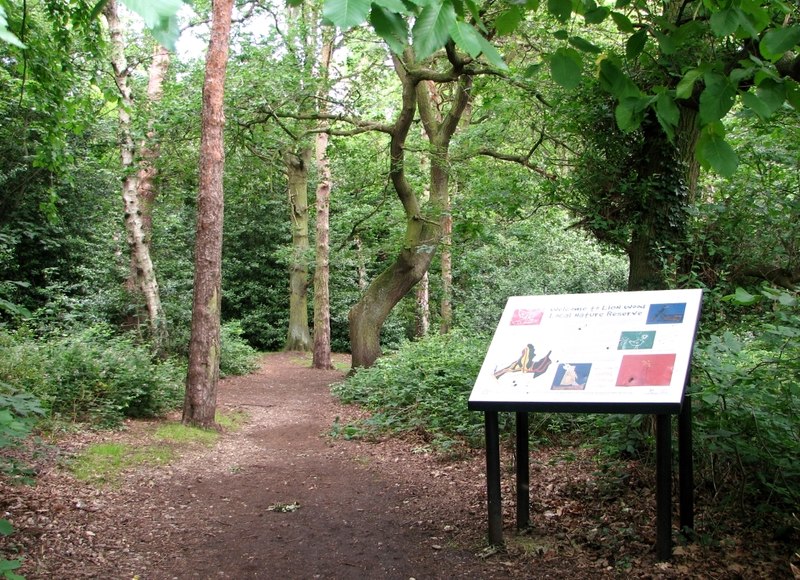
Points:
[(446, 310), (204, 346), (298, 336), (423, 306), (322, 304), (138, 243)]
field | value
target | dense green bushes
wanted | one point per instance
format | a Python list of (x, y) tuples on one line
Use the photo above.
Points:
[(91, 375), (424, 386)]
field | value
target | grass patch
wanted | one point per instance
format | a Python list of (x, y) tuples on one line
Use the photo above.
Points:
[(231, 421), (184, 434), (307, 358), (104, 462)]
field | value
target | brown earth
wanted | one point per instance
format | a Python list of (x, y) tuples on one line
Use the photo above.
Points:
[(280, 498)]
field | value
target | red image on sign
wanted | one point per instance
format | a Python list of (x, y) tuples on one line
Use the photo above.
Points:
[(522, 317), (646, 370)]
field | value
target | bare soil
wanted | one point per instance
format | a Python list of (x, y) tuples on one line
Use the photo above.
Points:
[(281, 498)]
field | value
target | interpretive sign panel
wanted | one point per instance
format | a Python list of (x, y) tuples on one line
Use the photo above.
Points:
[(626, 352)]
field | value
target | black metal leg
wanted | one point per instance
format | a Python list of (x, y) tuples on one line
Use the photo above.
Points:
[(493, 478), (686, 465), (523, 472), (663, 488)]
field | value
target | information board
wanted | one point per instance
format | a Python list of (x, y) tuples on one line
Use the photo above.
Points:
[(621, 352)]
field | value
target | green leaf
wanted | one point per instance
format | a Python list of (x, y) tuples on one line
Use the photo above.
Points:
[(596, 15), (779, 40), (346, 13), (613, 80), (743, 297), (6, 529), (160, 17), (396, 6), (667, 113), (768, 98), (717, 98), (565, 67), (508, 21), (635, 44), (584, 45), (665, 43), (432, 28), (561, 34), (390, 27), (466, 38), (714, 152), (475, 12), (685, 86), (5, 34), (491, 54), (793, 93), (623, 23), (725, 22), (629, 112), (561, 9)]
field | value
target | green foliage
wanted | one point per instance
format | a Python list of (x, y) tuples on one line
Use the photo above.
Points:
[(91, 375), (238, 357), (747, 400), (423, 387)]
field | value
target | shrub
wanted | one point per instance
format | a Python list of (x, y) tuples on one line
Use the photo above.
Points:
[(238, 357), (424, 386), (91, 375)]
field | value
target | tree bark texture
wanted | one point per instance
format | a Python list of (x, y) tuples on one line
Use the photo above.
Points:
[(423, 222), (298, 336), (423, 306), (143, 271), (446, 307), (204, 346), (322, 303)]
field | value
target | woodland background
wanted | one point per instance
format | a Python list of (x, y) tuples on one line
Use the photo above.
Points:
[(578, 148)]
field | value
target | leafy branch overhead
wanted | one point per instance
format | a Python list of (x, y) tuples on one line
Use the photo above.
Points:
[(713, 53)]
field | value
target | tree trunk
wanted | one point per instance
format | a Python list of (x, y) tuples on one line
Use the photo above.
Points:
[(298, 337), (643, 272), (204, 346), (423, 307), (138, 243), (385, 291), (423, 223), (322, 304), (446, 309)]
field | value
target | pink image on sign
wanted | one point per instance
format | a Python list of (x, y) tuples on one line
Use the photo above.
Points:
[(653, 370), (523, 317)]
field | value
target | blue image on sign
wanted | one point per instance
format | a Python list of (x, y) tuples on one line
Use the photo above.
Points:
[(666, 313)]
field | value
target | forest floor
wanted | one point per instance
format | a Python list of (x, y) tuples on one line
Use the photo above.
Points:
[(280, 498)]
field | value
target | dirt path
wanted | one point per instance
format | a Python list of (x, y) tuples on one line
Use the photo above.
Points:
[(386, 510)]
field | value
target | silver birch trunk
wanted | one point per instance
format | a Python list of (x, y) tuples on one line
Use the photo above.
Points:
[(136, 238)]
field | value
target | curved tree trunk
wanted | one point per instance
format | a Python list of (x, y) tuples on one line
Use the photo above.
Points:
[(298, 337), (202, 378), (423, 223)]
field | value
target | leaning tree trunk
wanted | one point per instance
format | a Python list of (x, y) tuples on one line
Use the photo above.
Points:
[(138, 243), (200, 402), (423, 223), (298, 336)]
